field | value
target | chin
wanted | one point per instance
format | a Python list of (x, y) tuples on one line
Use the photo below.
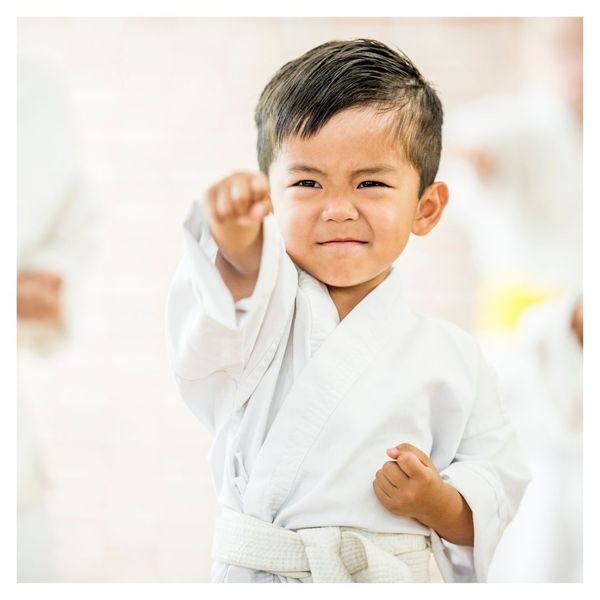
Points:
[(335, 275), (339, 280)]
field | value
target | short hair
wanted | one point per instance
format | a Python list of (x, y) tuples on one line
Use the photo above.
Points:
[(308, 91)]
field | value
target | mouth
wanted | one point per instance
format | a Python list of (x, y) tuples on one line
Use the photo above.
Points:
[(341, 241)]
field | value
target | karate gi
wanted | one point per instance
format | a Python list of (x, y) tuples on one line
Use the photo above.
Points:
[(533, 197), (53, 227), (302, 406), (55, 211)]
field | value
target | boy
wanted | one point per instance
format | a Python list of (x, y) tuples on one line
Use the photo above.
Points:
[(289, 339)]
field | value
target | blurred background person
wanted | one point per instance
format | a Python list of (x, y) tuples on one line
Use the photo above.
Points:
[(53, 221), (515, 163)]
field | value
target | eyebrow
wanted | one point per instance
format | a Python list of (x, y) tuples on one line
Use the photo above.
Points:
[(378, 168)]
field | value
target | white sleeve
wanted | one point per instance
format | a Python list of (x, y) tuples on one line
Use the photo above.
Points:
[(551, 358), (491, 473), (219, 349)]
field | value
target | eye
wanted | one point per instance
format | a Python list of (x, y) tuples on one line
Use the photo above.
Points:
[(307, 183), (372, 184)]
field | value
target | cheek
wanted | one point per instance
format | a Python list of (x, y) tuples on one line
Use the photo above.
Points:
[(393, 224), (383, 222), (294, 224)]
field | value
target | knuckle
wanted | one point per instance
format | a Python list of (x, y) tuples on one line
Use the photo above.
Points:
[(377, 489), (384, 500), (388, 467), (220, 200), (210, 200), (402, 458), (410, 495), (239, 179), (222, 183), (237, 202)]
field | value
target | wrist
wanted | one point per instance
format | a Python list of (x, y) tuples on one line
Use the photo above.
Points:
[(450, 516), (445, 503), (244, 254)]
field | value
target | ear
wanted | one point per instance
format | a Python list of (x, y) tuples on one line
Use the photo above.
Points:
[(430, 208)]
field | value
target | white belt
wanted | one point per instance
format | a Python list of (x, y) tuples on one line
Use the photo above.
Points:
[(320, 554)]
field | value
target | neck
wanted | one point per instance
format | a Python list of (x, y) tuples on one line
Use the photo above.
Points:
[(346, 298)]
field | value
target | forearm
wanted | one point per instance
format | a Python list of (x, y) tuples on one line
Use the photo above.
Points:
[(452, 519), (240, 270)]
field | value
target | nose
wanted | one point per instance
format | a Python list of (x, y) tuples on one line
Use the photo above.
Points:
[(339, 209)]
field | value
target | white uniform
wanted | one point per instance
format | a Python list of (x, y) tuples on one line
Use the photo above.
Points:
[(533, 198), (533, 194), (53, 227), (303, 406), (55, 212), (544, 393)]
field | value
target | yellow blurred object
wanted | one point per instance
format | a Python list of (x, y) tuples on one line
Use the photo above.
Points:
[(503, 300)]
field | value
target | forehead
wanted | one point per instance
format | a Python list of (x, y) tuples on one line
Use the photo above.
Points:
[(353, 138)]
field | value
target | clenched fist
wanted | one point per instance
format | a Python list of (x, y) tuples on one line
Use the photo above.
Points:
[(235, 207), (38, 296), (411, 486)]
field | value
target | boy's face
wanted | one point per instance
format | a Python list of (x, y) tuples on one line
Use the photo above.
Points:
[(346, 182)]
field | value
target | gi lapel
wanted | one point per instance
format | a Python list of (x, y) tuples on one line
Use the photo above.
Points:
[(352, 348)]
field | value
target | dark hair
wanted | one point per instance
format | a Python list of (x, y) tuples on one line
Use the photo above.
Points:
[(306, 92)]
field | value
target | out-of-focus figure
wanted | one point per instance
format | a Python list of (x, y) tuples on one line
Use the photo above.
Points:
[(53, 223), (516, 172)]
